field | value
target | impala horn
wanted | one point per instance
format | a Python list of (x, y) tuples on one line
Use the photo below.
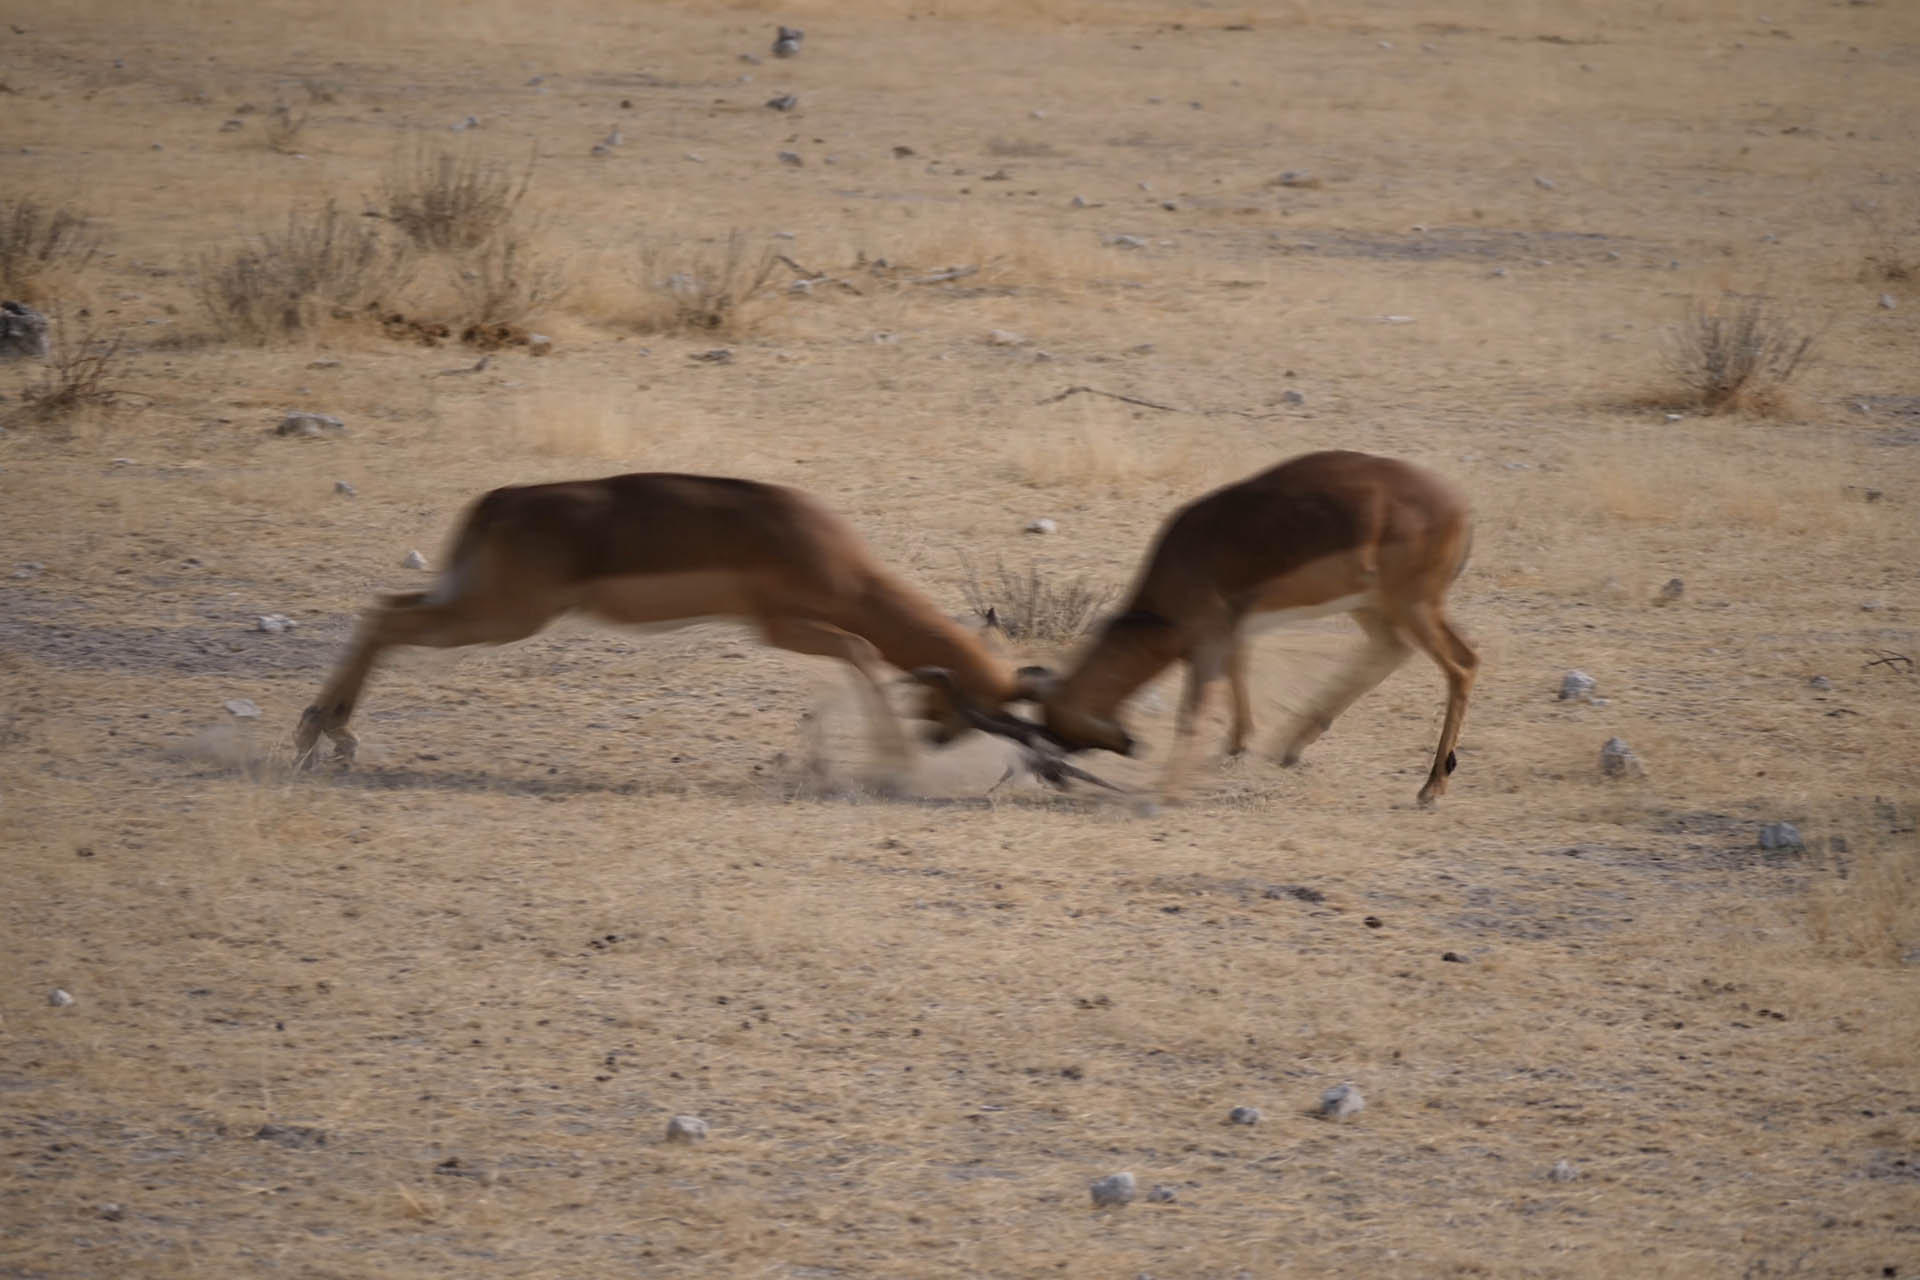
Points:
[(1042, 754)]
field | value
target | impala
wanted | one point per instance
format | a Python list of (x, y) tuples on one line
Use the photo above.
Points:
[(1324, 533), (660, 551)]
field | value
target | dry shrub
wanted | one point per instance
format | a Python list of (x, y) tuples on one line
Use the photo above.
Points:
[(323, 264), (77, 374), (1736, 355), (701, 289), (1034, 607), (504, 281), (1868, 908), (39, 243), (444, 198)]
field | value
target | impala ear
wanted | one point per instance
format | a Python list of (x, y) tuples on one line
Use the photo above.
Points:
[(1034, 684)]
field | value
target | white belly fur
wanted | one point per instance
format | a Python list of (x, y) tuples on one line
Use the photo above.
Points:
[(1258, 622)]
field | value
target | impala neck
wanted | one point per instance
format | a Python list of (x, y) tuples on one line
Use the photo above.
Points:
[(910, 632), (1131, 650)]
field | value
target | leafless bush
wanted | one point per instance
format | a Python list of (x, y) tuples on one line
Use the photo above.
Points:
[(322, 263), (77, 373), (704, 290), (1735, 355), (1034, 606), (447, 199), (504, 280), (38, 241), (282, 129)]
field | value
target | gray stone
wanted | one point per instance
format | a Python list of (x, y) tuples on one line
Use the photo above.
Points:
[(1342, 1102), (791, 159), (1820, 682), (1244, 1115), (1114, 1189), (1887, 303), (1004, 338), (242, 708), (1617, 759), (58, 998), (784, 101), (1293, 398), (310, 425), (787, 43), (686, 1129), (1162, 1193), (1673, 590), (1042, 525), (1543, 182), (1126, 242), (1780, 835), (413, 560), (1576, 686), (539, 344), (23, 332), (1563, 1171), (273, 623), (345, 490)]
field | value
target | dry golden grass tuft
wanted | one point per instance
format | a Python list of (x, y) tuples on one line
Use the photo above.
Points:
[(45, 249)]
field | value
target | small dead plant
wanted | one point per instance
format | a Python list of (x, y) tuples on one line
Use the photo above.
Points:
[(445, 199), (504, 281), (323, 263), (39, 242), (704, 290), (282, 129), (1735, 355), (78, 373), (1034, 606)]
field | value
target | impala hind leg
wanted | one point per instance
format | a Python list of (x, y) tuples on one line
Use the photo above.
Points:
[(1429, 627), (1204, 669), (415, 618), (1384, 652), (804, 635), (1242, 703)]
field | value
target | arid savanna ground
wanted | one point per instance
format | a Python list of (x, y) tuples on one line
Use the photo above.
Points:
[(430, 1017)]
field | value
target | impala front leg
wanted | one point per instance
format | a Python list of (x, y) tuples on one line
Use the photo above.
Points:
[(1203, 670)]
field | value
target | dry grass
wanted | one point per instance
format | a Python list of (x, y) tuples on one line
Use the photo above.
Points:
[(1035, 607), (282, 129), (1736, 355), (323, 265), (43, 248), (450, 198), (81, 365), (583, 882), (690, 288)]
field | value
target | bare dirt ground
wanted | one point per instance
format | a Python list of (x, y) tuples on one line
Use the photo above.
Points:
[(431, 1017)]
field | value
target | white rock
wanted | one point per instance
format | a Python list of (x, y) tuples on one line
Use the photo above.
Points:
[(59, 999), (1781, 835), (539, 344), (413, 560), (1115, 1188), (1617, 759), (1004, 338), (1886, 302), (1576, 686), (299, 423), (1563, 1171), (1042, 525), (1341, 1102), (242, 708), (1126, 242), (344, 489), (686, 1129), (273, 623)]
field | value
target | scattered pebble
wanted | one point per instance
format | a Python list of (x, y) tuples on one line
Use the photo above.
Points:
[(1673, 590), (1163, 1193), (1453, 957), (1563, 1171), (1576, 686), (1042, 525), (787, 42), (413, 560), (1886, 302), (58, 998), (273, 623), (1004, 338), (310, 425), (718, 355), (1780, 835), (784, 101), (1126, 242), (1543, 182), (791, 159), (1617, 759), (345, 490), (1820, 682), (1115, 1188), (29, 569), (1341, 1102), (112, 1212), (242, 708), (1244, 1115), (539, 344), (686, 1129), (471, 122)]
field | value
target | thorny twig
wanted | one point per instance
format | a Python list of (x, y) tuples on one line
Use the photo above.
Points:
[(1155, 404), (1891, 661)]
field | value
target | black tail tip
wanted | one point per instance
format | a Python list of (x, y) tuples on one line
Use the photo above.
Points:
[(1452, 763)]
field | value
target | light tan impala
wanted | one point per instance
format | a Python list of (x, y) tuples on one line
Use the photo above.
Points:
[(1324, 533), (661, 550)]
